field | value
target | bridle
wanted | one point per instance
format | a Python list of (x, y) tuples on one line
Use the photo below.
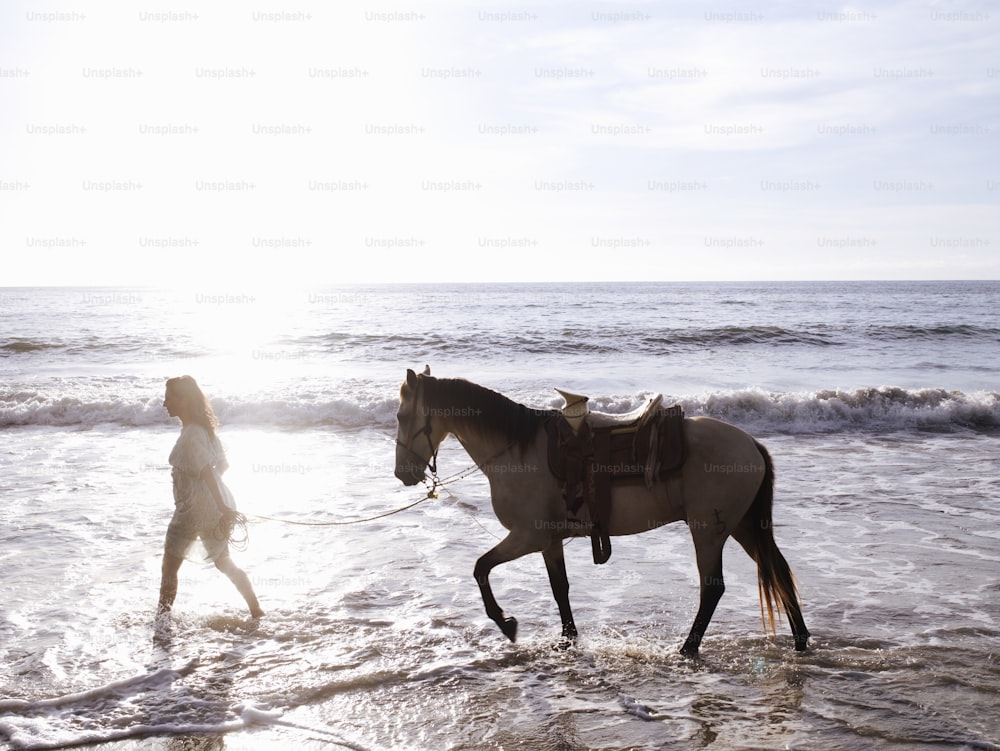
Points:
[(426, 430), (431, 462)]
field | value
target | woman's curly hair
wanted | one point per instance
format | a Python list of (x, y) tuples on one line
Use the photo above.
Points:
[(199, 408)]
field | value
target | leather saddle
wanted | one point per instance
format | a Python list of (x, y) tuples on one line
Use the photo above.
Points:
[(588, 452)]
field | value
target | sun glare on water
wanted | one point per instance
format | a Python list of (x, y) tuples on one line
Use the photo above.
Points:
[(244, 340)]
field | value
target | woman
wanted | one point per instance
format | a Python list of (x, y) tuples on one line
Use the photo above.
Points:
[(200, 509)]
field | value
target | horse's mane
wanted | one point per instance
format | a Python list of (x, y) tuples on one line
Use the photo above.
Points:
[(484, 410)]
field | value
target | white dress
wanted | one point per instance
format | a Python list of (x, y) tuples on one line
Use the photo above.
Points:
[(196, 514)]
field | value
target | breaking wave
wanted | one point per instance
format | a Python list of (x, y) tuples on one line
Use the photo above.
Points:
[(884, 408), (880, 409)]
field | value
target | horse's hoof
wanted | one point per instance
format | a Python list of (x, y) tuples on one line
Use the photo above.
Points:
[(689, 651), (801, 645), (509, 627), (565, 643)]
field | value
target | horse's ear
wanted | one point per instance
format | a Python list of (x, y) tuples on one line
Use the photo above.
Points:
[(411, 378), (427, 370)]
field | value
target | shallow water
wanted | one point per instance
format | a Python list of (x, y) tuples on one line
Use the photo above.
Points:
[(877, 402), (375, 635)]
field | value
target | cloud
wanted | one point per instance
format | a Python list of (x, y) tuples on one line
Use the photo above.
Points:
[(450, 142)]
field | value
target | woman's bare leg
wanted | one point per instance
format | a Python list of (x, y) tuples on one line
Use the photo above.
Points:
[(237, 576), (168, 582)]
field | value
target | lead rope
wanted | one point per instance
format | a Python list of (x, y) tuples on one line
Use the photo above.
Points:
[(432, 492)]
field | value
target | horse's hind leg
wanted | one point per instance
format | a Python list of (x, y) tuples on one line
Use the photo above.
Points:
[(508, 549), (774, 574), (712, 587), (555, 564)]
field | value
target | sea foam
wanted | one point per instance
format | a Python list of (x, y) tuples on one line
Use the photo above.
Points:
[(879, 409)]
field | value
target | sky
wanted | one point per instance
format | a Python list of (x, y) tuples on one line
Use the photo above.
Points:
[(327, 143)]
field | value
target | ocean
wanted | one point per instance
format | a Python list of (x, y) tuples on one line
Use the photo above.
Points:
[(878, 402)]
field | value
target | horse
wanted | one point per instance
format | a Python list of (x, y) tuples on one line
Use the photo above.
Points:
[(724, 489)]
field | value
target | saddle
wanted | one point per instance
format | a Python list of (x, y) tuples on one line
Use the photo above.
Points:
[(588, 452)]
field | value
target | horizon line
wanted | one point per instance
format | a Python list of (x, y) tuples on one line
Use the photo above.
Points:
[(279, 287)]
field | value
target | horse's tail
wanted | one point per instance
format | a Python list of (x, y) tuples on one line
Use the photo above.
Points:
[(774, 578)]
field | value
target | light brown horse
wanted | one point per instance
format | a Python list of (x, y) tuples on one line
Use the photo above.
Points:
[(724, 489)]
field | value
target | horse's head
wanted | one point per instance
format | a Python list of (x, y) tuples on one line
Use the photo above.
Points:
[(417, 438)]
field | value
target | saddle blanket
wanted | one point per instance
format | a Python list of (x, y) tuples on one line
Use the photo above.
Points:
[(588, 461)]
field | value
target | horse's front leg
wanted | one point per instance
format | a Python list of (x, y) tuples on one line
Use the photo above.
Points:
[(509, 549), (555, 564), (708, 550)]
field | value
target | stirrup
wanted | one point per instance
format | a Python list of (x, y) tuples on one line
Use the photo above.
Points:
[(600, 542)]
